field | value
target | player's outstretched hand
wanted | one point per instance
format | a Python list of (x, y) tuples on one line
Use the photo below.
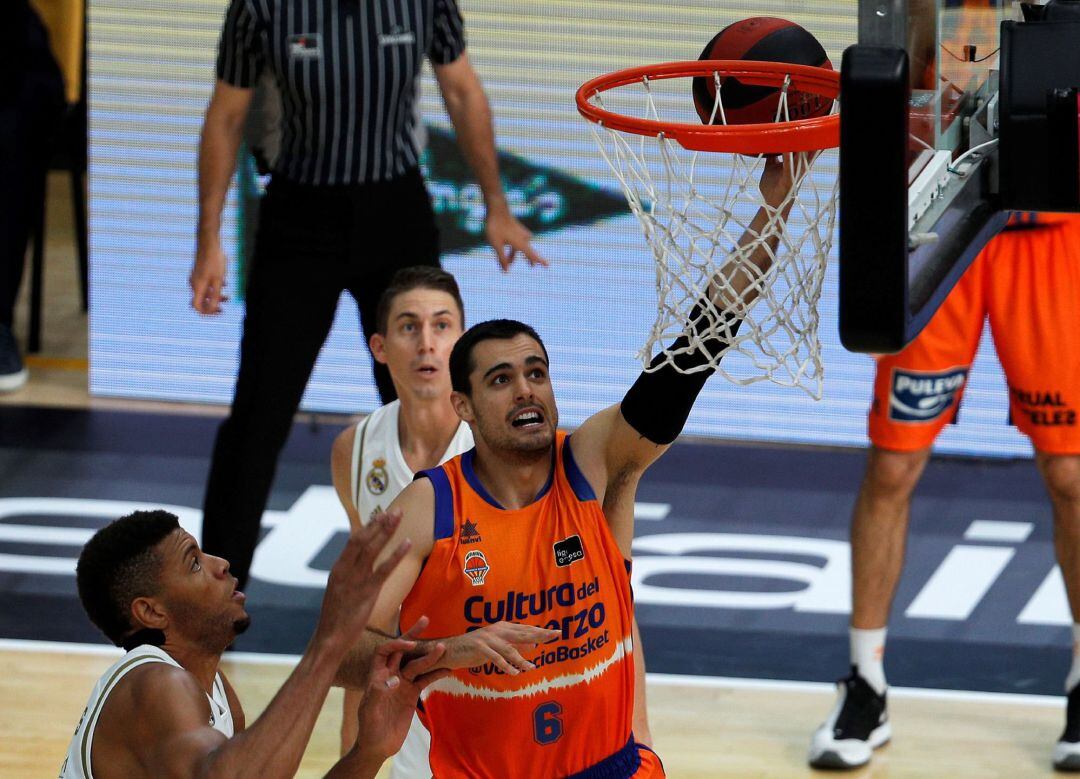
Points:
[(778, 176), (501, 644), (508, 236), (390, 700), (355, 580)]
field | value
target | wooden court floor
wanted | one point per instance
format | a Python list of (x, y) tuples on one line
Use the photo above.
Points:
[(704, 730)]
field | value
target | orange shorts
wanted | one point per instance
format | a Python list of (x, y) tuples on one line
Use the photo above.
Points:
[(1027, 281)]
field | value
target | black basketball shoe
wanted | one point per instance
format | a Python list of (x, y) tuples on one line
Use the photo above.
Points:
[(857, 725), (1067, 749)]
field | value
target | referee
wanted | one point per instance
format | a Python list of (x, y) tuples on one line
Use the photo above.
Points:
[(346, 206)]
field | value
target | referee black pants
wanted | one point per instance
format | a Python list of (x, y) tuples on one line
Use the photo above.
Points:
[(313, 243)]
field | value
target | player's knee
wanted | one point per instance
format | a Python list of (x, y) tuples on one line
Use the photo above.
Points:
[(893, 475), (1062, 476)]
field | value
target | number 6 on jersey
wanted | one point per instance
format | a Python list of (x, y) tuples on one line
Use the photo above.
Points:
[(547, 727)]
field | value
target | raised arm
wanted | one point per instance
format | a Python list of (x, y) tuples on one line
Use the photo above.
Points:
[(614, 447), (733, 289)]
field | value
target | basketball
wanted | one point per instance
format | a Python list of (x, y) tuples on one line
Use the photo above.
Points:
[(760, 38)]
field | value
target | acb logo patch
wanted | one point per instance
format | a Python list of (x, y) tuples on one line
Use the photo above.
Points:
[(476, 567)]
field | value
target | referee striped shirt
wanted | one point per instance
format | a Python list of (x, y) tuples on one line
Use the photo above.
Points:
[(347, 71)]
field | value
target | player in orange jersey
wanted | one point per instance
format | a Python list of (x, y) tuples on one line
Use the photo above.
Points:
[(1027, 281), (534, 527)]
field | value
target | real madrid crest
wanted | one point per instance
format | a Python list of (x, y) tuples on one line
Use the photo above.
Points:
[(377, 478)]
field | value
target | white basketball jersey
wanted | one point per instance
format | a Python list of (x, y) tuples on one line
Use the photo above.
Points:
[(78, 765), (379, 471)]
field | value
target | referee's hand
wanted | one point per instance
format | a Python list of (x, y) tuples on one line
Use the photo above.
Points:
[(208, 279), (508, 236)]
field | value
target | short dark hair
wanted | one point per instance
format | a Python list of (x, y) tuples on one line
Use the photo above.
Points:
[(118, 565), (461, 362), (416, 277)]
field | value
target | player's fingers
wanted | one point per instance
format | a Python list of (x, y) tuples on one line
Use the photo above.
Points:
[(387, 566), (393, 663), (368, 542), (417, 629), (527, 634), (500, 662), (395, 645), (385, 524), (514, 657)]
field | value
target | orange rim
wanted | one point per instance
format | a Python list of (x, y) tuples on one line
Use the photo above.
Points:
[(822, 132)]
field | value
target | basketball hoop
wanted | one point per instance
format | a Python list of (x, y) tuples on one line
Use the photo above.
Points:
[(699, 215)]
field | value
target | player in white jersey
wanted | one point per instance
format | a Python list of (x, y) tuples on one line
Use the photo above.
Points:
[(419, 319), (165, 709)]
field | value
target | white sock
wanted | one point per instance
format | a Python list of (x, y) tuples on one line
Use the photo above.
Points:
[(1074, 673), (868, 653)]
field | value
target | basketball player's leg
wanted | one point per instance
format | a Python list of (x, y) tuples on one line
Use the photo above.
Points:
[(290, 302), (1034, 307), (879, 526), (916, 393), (1061, 474)]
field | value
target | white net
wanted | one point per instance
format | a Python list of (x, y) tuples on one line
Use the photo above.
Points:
[(740, 243)]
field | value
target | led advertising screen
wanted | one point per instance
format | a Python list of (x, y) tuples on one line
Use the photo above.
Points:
[(151, 72)]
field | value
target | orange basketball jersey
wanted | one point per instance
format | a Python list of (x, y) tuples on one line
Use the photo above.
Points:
[(552, 564)]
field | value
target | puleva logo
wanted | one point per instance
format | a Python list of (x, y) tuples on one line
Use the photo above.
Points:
[(476, 567), (919, 396)]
